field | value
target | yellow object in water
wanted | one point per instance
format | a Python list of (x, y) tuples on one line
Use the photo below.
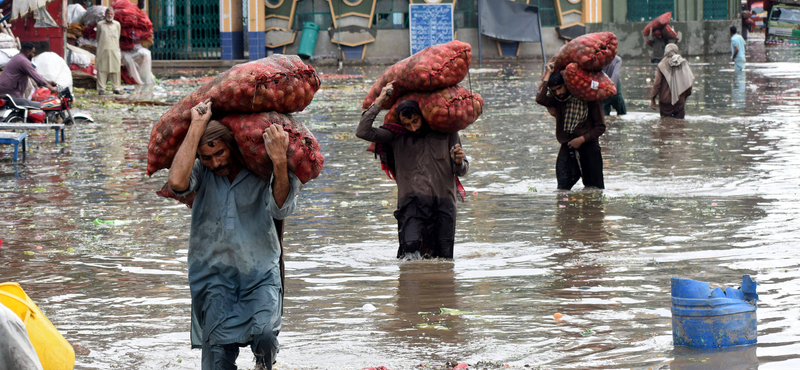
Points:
[(54, 352)]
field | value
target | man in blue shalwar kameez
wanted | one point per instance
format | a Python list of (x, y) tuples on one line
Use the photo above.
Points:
[(234, 246)]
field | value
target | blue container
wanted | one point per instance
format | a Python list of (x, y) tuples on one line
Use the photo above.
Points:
[(708, 318)]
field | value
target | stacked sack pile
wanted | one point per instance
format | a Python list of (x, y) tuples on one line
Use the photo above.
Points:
[(660, 29), (88, 38), (136, 27), (430, 77), (582, 60), (9, 45), (247, 99)]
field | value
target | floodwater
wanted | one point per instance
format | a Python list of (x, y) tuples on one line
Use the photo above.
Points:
[(711, 198)]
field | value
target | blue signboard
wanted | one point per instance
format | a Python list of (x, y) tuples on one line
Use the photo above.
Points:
[(429, 24)]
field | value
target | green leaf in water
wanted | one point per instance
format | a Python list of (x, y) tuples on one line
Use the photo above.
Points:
[(587, 332), (98, 222), (452, 312), (39, 190), (29, 253), (432, 326)]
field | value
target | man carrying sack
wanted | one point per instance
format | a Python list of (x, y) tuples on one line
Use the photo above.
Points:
[(234, 245)]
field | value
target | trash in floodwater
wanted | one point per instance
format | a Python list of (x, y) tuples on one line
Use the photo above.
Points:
[(432, 326), (453, 312), (98, 222), (588, 332), (557, 316), (368, 308)]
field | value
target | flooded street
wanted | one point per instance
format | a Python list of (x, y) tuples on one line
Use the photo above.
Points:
[(710, 198)]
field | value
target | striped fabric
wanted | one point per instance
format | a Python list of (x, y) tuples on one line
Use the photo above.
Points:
[(576, 112)]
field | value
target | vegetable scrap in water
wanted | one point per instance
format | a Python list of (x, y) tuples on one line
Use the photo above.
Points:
[(453, 312)]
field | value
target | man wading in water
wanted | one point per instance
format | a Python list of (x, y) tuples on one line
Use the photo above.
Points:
[(425, 163), (234, 247), (578, 126)]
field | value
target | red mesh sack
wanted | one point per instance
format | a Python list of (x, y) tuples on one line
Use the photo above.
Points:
[(657, 23), (668, 33), (447, 110), (167, 192), (592, 51), (430, 69), (588, 85), (304, 157), (280, 83), (658, 34)]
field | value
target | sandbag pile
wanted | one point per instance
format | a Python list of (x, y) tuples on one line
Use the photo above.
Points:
[(582, 60), (660, 29), (430, 77), (247, 99)]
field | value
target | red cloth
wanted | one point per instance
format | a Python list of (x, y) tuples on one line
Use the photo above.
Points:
[(42, 94), (126, 77), (88, 69)]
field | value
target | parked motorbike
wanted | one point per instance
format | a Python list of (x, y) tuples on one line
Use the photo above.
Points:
[(55, 109)]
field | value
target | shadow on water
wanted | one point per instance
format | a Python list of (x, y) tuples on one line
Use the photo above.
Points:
[(710, 198)]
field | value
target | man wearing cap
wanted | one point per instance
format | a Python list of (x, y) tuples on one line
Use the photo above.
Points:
[(234, 245)]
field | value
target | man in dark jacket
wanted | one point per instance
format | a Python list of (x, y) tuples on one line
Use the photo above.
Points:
[(426, 165), (578, 126)]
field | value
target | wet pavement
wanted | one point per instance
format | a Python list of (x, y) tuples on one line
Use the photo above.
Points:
[(710, 198)]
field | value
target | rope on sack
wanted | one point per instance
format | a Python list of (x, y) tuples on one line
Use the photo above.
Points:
[(471, 96)]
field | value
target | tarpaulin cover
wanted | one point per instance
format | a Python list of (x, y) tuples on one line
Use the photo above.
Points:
[(508, 20), (21, 8)]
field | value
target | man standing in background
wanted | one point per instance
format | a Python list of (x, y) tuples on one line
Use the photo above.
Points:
[(616, 101), (737, 50), (108, 53)]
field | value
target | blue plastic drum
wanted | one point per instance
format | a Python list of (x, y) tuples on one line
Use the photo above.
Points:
[(708, 318)]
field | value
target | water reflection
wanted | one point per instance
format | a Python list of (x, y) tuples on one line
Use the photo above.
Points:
[(580, 218), (738, 89), (734, 358), (424, 289)]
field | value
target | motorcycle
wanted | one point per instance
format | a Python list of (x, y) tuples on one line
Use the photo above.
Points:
[(55, 109)]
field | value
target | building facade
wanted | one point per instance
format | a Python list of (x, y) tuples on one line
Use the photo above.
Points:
[(378, 29)]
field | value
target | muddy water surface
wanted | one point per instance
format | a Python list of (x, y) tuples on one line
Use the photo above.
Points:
[(710, 198)]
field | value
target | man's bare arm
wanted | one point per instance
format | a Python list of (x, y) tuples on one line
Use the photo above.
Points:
[(181, 170), (277, 142)]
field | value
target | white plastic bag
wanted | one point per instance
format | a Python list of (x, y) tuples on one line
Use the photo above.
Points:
[(53, 68), (74, 13)]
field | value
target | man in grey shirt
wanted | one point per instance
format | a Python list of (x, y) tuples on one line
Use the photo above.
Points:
[(234, 246), (616, 101)]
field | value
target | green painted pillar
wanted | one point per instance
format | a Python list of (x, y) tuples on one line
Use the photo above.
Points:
[(699, 7), (619, 10)]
